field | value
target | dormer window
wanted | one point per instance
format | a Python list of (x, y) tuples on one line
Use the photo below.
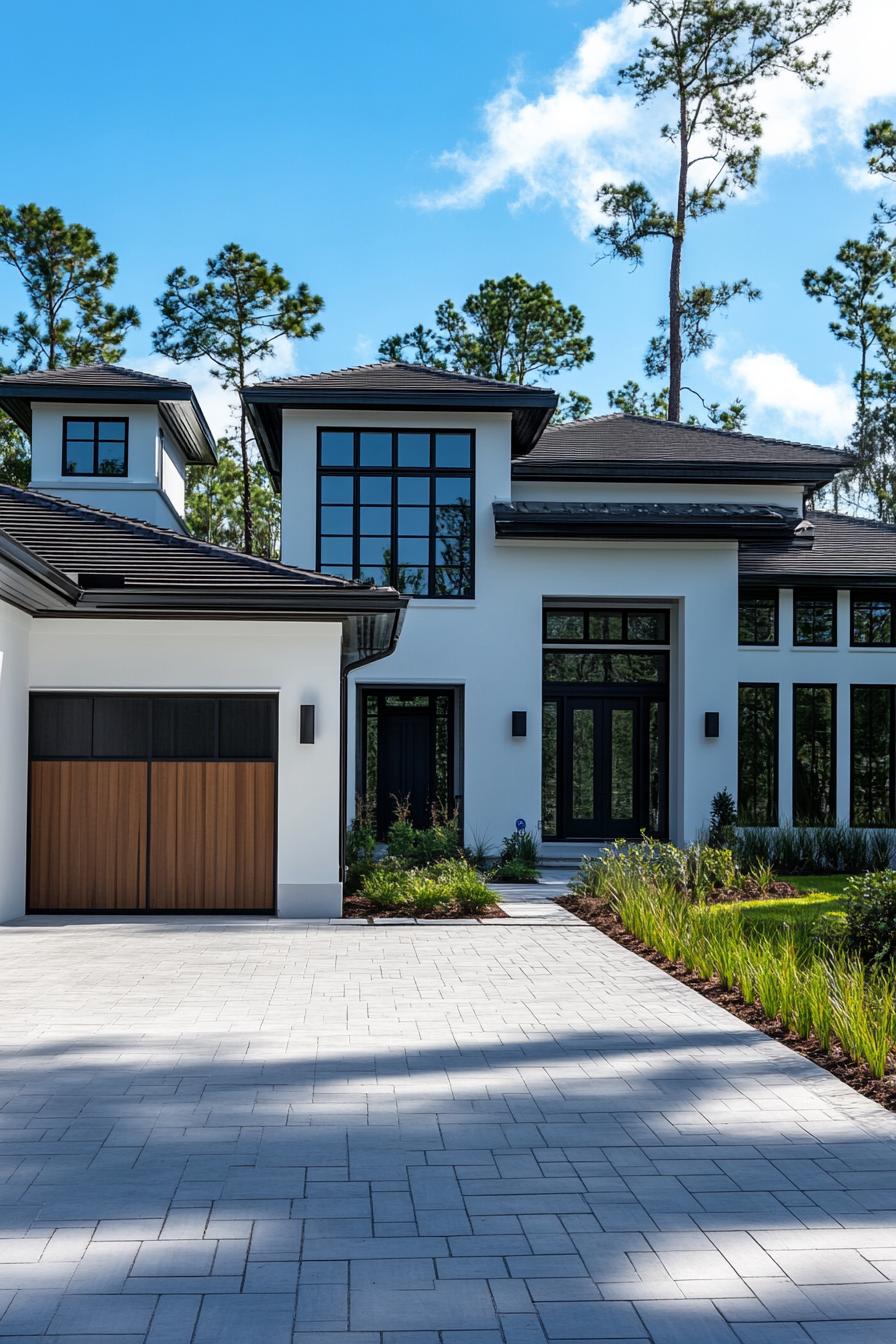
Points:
[(94, 446)]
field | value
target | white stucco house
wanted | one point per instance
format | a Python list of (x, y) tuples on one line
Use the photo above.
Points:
[(171, 713), (586, 628)]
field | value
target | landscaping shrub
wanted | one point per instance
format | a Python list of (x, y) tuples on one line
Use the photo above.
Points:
[(451, 886), (871, 916), (696, 871), (518, 859), (722, 820), (360, 847), (418, 847)]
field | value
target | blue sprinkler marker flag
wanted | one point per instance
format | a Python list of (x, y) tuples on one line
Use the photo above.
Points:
[(520, 824)]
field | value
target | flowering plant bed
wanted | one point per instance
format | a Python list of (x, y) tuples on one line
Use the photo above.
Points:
[(358, 907)]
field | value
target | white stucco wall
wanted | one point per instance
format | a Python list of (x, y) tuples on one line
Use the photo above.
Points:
[(298, 661), (491, 646), (153, 489), (677, 492), (14, 636)]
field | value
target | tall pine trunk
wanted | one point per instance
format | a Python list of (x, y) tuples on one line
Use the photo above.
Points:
[(247, 482), (676, 356)]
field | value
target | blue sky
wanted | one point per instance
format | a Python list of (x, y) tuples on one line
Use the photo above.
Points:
[(397, 153)]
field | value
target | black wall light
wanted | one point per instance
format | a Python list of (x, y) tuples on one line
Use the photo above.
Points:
[(518, 722), (306, 724), (711, 723)]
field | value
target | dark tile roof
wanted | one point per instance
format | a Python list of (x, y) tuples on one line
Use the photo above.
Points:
[(843, 548), (74, 539), (552, 520), (394, 385), (398, 375), (180, 411), (638, 447), (97, 375)]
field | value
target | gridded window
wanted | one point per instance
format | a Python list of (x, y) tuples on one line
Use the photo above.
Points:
[(396, 507), (608, 625), (873, 621), (757, 616), (94, 446), (757, 754), (872, 772), (814, 752), (815, 618)]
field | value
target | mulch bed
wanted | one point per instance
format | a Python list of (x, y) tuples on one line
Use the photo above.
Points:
[(856, 1076), (358, 907), (751, 891)]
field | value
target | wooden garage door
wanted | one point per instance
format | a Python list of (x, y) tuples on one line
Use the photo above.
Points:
[(152, 803)]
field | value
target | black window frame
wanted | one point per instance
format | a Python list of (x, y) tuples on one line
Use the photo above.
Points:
[(772, 594), (96, 421), (431, 473), (602, 609), (774, 815), (814, 686), (891, 750), (858, 595), (816, 595)]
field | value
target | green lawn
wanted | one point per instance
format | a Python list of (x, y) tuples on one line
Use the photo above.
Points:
[(820, 897), (832, 884)]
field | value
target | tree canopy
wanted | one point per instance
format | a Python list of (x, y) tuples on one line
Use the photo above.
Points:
[(508, 329), (234, 318), (704, 59)]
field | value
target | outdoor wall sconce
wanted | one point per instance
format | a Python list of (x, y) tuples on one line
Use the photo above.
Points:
[(711, 723), (518, 723), (306, 724)]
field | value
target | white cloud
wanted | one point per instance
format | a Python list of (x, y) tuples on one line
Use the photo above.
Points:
[(218, 404), (783, 401), (561, 144)]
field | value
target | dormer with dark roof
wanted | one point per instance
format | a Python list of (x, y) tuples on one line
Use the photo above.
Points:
[(114, 438)]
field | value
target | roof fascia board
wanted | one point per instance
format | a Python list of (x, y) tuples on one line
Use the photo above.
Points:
[(758, 473)]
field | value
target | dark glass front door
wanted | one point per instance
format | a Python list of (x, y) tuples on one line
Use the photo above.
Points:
[(612, 762), (407, 757)]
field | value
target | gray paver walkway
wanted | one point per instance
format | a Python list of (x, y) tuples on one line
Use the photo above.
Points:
[(498, 1133)]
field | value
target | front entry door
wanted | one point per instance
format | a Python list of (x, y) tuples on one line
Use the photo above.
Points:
[(604, 779), (406, 774)]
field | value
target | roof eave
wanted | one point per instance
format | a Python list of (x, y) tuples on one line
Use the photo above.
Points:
[(569, 528), (530, 410), (185, 420), (242, 602)]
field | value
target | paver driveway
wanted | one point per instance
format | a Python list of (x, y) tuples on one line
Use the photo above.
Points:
[(232, 1132)]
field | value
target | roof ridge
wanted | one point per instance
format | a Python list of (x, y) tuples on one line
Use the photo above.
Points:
[(122, 369), (702, 429), (167, 536)]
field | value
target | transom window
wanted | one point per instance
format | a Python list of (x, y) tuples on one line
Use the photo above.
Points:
[(814, 618), (94, 446), (605, 625), (757, 616), (873, 623), (396, 507)]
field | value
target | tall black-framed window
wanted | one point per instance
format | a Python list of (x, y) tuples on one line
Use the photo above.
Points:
[(873, 620), (815, 618), (757, 616), (872, 776), (94, 445), (757, 754), (396, 507), (814, 755)]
